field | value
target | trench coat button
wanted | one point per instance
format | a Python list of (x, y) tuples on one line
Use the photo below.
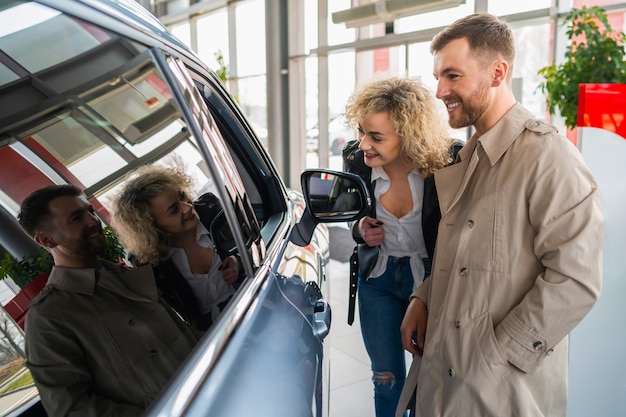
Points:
[(538, 345), (464, 271), (451, 372), (470, 223), (457, 324), (153, 353), (131, 322)]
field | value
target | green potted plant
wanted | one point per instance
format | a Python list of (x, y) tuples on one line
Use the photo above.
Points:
[(595, 55), (222, 69), (27, 269), (31, 274), (115, 251)]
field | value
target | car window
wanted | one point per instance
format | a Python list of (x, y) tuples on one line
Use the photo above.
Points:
[(259, 176)]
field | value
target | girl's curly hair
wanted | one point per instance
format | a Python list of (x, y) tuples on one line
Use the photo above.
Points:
[(412, 109), (131, 210)]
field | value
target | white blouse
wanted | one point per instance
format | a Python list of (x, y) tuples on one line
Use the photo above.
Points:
[(403, 236), (210, 289)]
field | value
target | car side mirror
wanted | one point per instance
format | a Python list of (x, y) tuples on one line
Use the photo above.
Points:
[(331, 197)]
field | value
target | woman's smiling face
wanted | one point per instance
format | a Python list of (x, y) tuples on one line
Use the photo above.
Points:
[(173, 212), (378, 140)]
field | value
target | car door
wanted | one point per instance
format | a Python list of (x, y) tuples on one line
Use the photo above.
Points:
[(269, 344), (120, 94)]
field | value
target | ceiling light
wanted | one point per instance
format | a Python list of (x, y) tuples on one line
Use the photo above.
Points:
[(387, 10)]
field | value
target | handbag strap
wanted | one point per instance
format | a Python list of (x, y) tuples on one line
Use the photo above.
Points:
[(354, 277), (353, 161)]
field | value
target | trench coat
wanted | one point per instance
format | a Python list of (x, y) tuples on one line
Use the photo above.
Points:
[(518, 264), (96, 347)]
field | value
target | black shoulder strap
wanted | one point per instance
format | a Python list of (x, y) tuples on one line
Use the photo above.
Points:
[(353, 283), (353, 161)]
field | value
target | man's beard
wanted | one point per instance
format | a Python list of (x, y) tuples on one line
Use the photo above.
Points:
[(86, 246), (472, 109)]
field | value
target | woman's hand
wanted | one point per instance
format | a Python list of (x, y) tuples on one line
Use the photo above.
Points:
[(371, 230), (230, 269)]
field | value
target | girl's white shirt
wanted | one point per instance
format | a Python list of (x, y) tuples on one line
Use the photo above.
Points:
[(403, 236), (210, 289)]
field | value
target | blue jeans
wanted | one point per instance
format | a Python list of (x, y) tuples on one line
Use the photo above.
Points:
[(382, 304)]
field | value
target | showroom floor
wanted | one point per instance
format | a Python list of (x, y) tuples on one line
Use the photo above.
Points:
[(351, 388)]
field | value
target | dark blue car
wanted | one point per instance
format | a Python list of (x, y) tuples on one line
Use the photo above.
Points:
[(90, 90)]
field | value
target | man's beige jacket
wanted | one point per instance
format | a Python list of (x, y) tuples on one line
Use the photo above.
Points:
[(518, 264)]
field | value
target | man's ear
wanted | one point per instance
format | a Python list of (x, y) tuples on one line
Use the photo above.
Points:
[(500, 70), (45, 240)]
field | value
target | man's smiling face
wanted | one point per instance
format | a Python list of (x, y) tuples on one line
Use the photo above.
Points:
[(463, 83)]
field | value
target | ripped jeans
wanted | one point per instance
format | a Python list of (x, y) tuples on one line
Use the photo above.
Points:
[(382, 303)]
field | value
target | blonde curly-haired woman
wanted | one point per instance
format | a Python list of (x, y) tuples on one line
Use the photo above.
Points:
[(155, 218), (402, 141)]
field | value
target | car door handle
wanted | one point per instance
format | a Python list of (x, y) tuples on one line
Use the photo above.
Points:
[(322, 316)]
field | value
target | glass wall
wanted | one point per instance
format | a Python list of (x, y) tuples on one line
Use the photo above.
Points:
[(212, 30), (338, 58), (532, 53), (503, 8)]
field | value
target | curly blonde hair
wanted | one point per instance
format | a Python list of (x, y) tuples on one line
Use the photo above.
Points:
[(131, 210), (412, 109)]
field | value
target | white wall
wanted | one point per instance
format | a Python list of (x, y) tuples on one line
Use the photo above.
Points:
[(598, 345)]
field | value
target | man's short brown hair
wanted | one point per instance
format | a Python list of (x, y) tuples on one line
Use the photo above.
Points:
[(35, 209), (488, 37)]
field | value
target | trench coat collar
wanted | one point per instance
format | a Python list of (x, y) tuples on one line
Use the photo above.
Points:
[(138, 283), (497, 140)]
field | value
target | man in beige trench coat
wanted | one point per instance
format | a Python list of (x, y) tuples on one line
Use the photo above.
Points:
[(519, 252)]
